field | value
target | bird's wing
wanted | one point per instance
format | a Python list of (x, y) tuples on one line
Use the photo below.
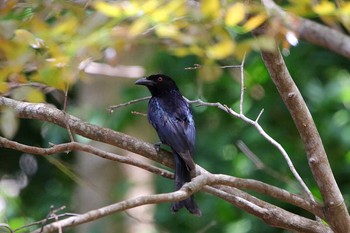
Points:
[(177, 130)]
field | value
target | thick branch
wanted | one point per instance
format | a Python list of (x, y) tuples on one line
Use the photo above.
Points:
[(46, 113), (335, 209), (311, 31), (272, 215), (267, 212), (240, 183), (195, 185)]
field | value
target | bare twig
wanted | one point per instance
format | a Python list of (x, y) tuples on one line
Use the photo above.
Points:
[(242, 86), (112, 108), (52, 214), (262, 166), (65, 111), (76, 146), (139, 113), (44, 221), (265, 135)]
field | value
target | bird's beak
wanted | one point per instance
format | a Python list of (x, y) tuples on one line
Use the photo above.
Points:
[(145, 82)]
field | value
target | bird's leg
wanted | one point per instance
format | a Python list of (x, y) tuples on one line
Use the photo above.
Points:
[(157, 146)]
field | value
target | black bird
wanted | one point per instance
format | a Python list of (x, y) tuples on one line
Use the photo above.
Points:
[(170, 115)]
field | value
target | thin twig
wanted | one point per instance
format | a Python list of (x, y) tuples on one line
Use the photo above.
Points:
[(65, 113), (138, 113), (242, 86), (194, 67), (112, 108), (258, 117), (43, 221), (52, 214), (262, 166), (265, 135)]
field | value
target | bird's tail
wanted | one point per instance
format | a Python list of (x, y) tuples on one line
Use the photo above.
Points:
[(183, 175)]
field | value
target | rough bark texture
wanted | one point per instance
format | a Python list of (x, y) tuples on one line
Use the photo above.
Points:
[(335, 210)]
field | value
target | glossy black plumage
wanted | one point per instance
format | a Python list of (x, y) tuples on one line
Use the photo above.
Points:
[(170, 115)]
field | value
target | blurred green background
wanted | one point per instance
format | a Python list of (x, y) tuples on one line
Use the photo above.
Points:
[(78, 31)]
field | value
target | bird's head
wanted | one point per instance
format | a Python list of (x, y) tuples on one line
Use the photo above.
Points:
[(158, 84)]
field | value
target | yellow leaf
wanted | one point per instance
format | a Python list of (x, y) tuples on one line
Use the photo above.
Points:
[(221, 50), (345, 9), (24, 36), (210, 8), (138, 27), (35, 96), (149, 6), (167, 12), (324, 8), (185, 51), (3, 87), (344, 15), (166, 31), (235, 14), (181, 52), (196, 51), (255, 22), (108, 9), (65, 27)]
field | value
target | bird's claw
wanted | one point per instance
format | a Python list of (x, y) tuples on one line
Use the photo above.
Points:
[(157, 146)]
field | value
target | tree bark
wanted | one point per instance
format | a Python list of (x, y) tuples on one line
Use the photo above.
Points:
[(335, 210)]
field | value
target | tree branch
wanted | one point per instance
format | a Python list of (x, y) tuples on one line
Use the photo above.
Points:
[(46, 113), (188, 189), (76, 146), (266, 211), (265, 135), (270, 214), (311, 31), (334, 207), (240, 183)]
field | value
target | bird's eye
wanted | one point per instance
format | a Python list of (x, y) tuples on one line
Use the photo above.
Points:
[(160, 79)]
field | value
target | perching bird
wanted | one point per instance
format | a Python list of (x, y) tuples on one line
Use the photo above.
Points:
[(170, 115)]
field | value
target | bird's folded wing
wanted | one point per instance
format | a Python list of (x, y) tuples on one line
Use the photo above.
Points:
[(179, 133)]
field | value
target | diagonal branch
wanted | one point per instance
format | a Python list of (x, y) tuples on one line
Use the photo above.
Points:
[(335, 209), (265, 135), (311, 31), (272, 215)]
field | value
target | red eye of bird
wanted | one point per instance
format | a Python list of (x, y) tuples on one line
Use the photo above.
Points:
[(160, 79)]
